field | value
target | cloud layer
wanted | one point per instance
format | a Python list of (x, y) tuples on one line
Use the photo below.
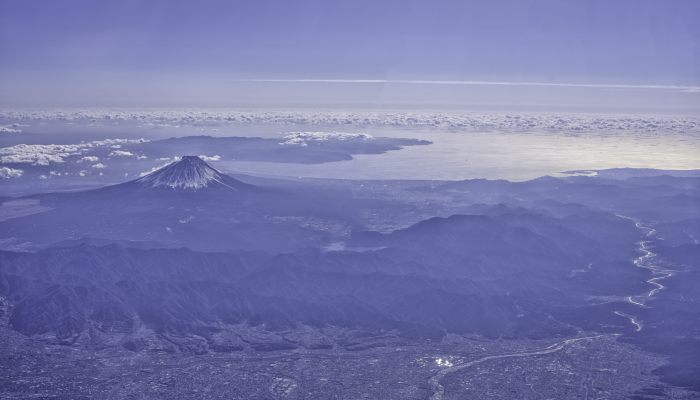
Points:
[(560, 123)]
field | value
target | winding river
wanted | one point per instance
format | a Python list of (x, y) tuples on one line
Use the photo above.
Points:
[(646, 261)]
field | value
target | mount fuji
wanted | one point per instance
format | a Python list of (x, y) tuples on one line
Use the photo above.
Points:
[(187, 203), (190, 173)]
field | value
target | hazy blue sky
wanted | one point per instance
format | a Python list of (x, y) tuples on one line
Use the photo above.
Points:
[(151, 52)]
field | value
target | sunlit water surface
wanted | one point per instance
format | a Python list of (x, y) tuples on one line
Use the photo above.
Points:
[(496, 155)]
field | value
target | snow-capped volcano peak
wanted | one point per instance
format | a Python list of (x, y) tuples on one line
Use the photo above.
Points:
[(190, 172)]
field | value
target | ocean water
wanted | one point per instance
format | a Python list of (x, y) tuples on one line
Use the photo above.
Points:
[(497, 155), (513, 146)]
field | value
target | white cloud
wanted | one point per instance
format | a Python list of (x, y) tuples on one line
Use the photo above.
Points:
[(210, 158), (7, 173), (37, 154), (121, 153), (13, 128), (304, 138), (99, 166), (45, 154)]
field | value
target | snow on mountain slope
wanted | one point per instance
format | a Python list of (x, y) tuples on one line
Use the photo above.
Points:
[(189, 173)]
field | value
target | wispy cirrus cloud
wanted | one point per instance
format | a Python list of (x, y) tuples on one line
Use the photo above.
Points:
[(682, 88)]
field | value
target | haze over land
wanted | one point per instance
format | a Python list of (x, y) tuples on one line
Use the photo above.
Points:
[(381, 200)]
